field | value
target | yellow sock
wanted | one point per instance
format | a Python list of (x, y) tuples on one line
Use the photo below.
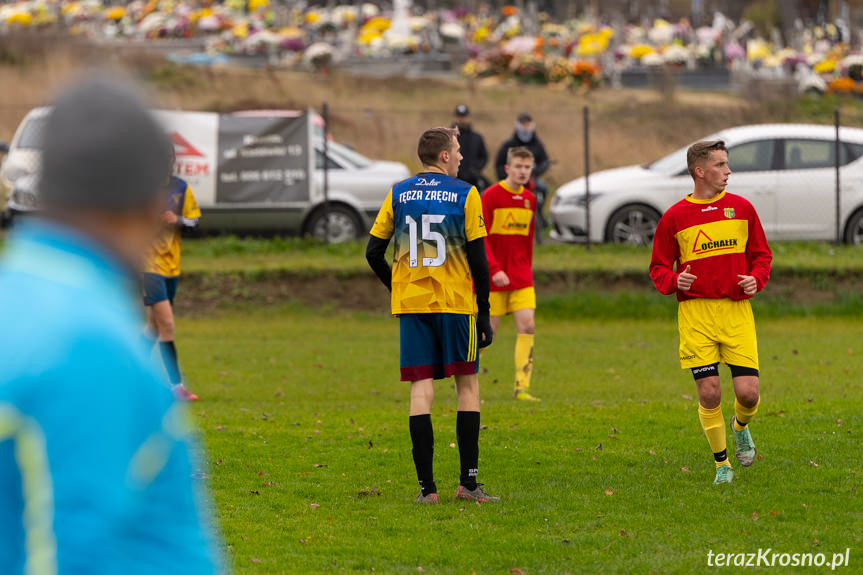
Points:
[(744, 415), (714, 429), (523, 360)]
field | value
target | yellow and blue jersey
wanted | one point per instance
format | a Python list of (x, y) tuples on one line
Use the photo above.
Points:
[(431, 218), (164, 256)]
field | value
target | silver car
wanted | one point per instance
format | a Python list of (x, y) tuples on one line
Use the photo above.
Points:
[(787, 171)]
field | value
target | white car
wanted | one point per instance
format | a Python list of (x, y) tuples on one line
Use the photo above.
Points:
[(357, 185), (787, 171)]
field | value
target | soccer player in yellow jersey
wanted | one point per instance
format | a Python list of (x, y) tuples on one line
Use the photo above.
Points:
[(439, 283), (710, 251), (510, 210), (162, 274)]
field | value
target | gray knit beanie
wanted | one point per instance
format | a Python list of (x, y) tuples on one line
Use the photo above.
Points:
[(102, 150)]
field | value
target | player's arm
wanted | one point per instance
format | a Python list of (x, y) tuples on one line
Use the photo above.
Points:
[(376, 251), (379, 239), (488, 215), (479, 270), (758, 254), (475, 232), (663, 257)]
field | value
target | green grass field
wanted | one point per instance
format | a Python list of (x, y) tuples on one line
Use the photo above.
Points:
[(232, 254), (306, 425)]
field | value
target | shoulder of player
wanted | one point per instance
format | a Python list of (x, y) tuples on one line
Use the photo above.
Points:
[(738, 201), (179, 184)]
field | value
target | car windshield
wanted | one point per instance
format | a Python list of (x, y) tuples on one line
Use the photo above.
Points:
[(31, 135), (354, 158)]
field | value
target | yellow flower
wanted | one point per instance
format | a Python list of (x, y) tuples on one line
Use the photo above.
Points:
[(23, 19), (71, 8), (825, 67), (115, 13), (481, 34), (312, 17), (369, 36), (757, 50), (377, 24), (254, 5), (639, 51), (241, 30)]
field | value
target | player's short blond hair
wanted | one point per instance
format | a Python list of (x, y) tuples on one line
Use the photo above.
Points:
[(433, 142), (518, 152), (700, 151)]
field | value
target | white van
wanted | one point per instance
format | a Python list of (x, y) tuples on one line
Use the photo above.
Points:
[(250, 172)]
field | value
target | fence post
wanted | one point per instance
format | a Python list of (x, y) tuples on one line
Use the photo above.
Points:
[(587, 174), (325, 113), (838, 191)]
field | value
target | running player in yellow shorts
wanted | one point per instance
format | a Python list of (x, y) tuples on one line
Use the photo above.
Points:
[(509, 210), (722, 259)]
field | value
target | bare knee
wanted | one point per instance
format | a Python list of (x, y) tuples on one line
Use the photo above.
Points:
[(747, 391), (163, 320), (709, 392)]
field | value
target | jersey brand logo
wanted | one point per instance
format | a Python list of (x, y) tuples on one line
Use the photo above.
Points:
[(425, 182), (729, 213), (709, 209), (704, 243)]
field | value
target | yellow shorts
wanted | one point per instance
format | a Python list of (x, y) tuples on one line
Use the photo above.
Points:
[(506, 302), (714, 330)]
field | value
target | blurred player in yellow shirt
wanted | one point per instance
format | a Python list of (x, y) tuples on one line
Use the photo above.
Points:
[(162, 274)]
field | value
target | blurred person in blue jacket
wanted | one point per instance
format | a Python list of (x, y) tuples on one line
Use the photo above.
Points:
[(96, 469)]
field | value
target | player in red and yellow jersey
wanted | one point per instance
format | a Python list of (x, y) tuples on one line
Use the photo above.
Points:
[(722, 259), (439, 284), (509, 210)]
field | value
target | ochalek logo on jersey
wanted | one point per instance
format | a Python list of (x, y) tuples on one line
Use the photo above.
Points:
[(729, 213), (511, 223), (704, 243)]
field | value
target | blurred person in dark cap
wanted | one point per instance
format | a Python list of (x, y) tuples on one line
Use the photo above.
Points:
[(473, 150), (525, 136), (96, 467)]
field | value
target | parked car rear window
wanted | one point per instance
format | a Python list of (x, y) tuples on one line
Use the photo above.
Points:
[(752, 156)]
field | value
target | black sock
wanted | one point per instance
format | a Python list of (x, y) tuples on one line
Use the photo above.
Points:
[(172, 365), (721, 456), (422, 437), (467, 434)]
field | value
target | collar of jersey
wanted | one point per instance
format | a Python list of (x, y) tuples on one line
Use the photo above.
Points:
[(510, 190), (716, 198)]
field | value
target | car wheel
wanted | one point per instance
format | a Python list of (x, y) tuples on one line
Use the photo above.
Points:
[(343, 225), (854, 229), (634, 225)]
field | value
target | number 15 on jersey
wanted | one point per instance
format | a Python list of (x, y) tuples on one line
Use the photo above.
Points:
[(427, 236)]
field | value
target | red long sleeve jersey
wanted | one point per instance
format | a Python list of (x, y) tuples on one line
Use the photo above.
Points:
[(719, 238), (509, 219)]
